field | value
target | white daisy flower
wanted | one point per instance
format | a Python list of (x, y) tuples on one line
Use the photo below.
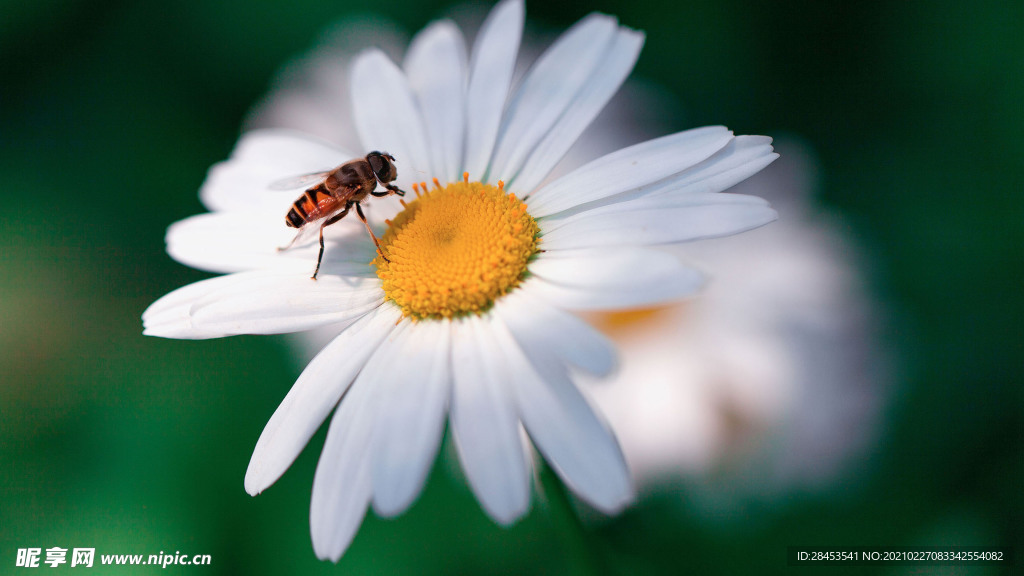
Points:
[(466, 311)]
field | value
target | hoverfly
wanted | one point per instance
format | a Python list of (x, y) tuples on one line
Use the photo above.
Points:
[(333, 193)]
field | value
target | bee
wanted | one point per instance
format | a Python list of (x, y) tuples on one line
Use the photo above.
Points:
[(333, 194)]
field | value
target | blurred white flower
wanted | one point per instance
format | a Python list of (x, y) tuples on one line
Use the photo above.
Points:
[(466, 308), (771, 381)]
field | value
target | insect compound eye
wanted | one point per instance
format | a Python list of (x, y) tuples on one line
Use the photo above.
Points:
[(375, 160), (382, 166)]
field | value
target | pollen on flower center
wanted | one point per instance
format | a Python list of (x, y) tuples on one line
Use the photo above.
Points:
[(456, 249)]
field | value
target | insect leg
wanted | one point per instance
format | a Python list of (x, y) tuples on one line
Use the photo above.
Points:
[(327, 223), (395, 189), (290, 244), (359, 211)]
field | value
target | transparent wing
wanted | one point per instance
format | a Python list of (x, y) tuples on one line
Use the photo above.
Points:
[(294, 182), (307, 234)]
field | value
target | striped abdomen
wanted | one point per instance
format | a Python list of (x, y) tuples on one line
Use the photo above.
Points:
[(314, 203)]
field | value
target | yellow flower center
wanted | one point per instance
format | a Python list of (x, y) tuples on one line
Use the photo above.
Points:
[(455, 250)]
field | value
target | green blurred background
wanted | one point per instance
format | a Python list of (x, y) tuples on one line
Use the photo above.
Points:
[(112, 111)]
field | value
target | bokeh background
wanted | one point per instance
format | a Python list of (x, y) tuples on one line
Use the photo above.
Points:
[(112, 111)]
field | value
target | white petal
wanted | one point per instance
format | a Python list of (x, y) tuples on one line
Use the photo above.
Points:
[(604, 268), (629, 168), (169, 317), (228, 242), (600, 279), (260, 302), (741, 158), (706, 216), (436, 67), (285, 149), (665, 200), (567, 431), (616, 65), (556, 336), (278, 303), (410, 421), (484, 423), (260, 158), (491, 69), (342, 485), (313, 395), (387, 117), (548, 89)]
